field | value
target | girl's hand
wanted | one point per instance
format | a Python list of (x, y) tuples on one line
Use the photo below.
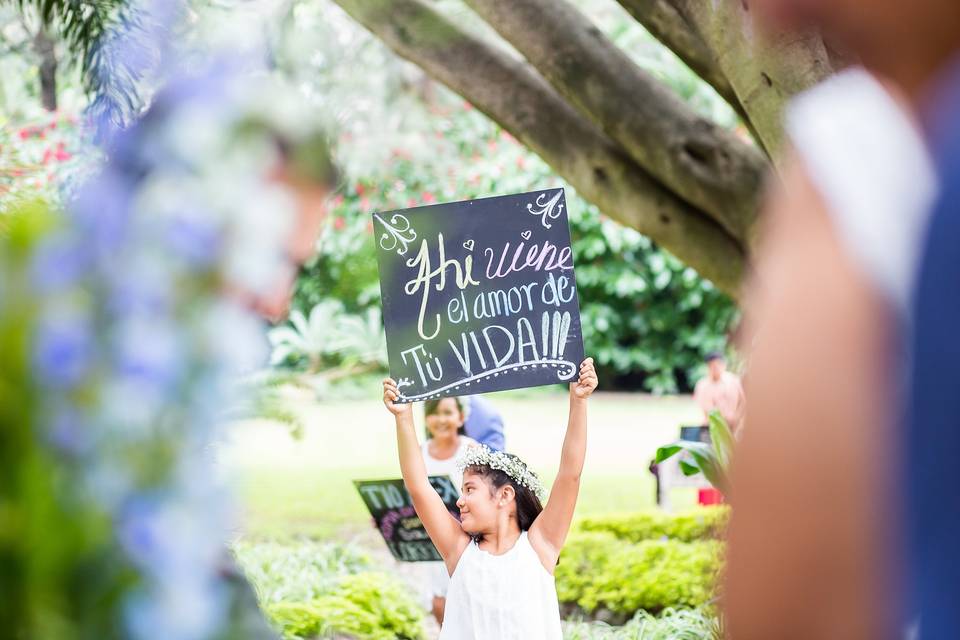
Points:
[(584, 386), (390, 394)]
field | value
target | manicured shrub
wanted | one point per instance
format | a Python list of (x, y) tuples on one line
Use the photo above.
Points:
[(701, 523), (606, 577)]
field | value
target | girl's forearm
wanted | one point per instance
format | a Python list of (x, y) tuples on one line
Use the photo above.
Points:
[(411, 459), (575, 440)]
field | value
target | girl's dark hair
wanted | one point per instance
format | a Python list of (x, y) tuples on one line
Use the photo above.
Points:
[(528, 504), (430, 407)]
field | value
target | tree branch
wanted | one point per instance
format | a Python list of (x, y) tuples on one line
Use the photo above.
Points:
[(693, 157), (668, 25), (765, 70), (511, 93)]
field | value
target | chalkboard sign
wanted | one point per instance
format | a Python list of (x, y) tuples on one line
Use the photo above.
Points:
[(479, 295), (391, 507)]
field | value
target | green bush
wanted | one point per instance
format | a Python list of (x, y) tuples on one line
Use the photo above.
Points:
[(610, 578), (372, 606), (314, 590), (682, 624), (701, 523)]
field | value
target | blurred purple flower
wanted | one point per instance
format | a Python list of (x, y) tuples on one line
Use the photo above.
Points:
[(148, 355), (64, 350), (59, 262), (67, 433), (195, 238), (102, 210), (139, 528), (140, 290)]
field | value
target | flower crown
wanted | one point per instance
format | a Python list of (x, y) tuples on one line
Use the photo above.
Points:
[(515, 468)]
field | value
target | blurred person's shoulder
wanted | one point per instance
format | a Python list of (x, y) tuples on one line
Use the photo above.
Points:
[(864, 153)]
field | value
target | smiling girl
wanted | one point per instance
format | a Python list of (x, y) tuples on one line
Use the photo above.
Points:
[(502, 553)]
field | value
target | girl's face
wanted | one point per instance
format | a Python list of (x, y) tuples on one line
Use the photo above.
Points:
[(479, 505), (444, 422)]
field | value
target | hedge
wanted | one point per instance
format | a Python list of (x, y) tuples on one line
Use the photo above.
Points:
[(602, 576), (701, 523)]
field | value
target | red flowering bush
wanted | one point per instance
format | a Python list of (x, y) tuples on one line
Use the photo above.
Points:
[(36, 158)]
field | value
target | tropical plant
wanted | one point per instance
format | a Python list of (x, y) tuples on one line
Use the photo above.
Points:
[(712, 460), (308, 339), (330, 341)]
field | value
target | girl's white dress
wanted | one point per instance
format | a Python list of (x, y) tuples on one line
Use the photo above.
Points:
[(505, 597)]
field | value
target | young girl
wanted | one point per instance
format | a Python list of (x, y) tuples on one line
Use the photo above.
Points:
[(502, 553), (444, 445)]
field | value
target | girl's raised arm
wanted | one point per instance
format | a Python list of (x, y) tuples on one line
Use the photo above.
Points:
[(552, 525), (443, 528)]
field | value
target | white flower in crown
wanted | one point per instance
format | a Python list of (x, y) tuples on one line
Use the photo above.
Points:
[(513, 466)]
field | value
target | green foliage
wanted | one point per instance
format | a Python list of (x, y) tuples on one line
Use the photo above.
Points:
[(601, 574), (682, 624), (701, 523), (712, 460), (312, 590), (365, 605)]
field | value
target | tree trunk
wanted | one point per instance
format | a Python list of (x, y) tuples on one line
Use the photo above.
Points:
[(44, 47), (511, 93)]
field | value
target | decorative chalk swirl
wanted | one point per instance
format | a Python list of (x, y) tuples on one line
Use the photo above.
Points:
[(548, 210), (398, 234), (565, 371)]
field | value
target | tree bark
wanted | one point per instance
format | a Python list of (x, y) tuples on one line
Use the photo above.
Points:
[(44, 47), (511, 93), (667, 24), (701, 162), (765, 70)]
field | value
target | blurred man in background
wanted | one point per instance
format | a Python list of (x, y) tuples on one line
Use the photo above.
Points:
[(720, 390)]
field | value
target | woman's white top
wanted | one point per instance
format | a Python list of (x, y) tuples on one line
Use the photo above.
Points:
[(868, 161), (505, 597), (447, 466)]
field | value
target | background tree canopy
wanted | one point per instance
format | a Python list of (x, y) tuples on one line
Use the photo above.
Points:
[(664, 138)]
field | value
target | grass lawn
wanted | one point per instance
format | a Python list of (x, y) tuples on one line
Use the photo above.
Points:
[(294, 488)]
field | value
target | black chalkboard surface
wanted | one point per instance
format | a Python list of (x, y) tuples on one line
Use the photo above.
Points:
[(479, 295), (391, 507)]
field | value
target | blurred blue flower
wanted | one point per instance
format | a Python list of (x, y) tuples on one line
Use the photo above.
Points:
[(59, 262), (102, 210), (195, 238), (148, 353), (64, 350), (138, 529), (67, 432)]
